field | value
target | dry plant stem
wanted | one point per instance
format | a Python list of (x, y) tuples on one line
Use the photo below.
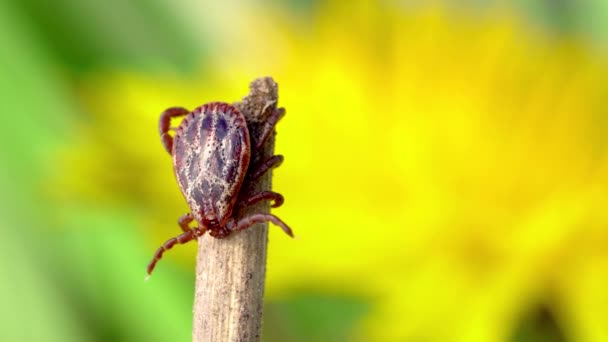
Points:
[(230, 272)]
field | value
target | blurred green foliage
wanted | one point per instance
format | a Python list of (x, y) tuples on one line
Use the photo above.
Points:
[(69, 283), (313, 317), (26, 294), (84, 35), (583, 19), (539, 325)]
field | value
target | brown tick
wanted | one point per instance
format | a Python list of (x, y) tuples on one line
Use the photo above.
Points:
[(211, 152)]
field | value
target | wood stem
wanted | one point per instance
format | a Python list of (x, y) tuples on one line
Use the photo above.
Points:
[(230, 272)]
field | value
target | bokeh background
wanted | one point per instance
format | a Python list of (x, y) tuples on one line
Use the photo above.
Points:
[(446, 166)]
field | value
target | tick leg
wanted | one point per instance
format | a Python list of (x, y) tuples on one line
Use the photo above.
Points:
[(268, 127), (276, 198), (184, 222), (183, 238), (164, 124), (250, 220), (261, 169)]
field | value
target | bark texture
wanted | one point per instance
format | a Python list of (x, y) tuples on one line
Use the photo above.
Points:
[(230, 272)]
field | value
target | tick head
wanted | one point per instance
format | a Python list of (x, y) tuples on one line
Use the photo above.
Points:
[(210, 221)]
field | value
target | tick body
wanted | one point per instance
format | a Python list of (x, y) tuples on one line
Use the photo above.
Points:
[(211, 153)]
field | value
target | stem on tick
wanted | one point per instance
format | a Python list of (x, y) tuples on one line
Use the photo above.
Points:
[(230, 272)]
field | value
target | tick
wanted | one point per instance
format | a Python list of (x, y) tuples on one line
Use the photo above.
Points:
[(211, 153)]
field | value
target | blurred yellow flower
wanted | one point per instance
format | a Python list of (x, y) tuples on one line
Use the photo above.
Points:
[(451, 169)]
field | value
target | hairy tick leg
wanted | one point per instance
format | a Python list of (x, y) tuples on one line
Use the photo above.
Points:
[(250, 220), (261, 169), (276, 198), (220, 233), (268, 127), (184, 222), (164, 124), (183, 238)]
